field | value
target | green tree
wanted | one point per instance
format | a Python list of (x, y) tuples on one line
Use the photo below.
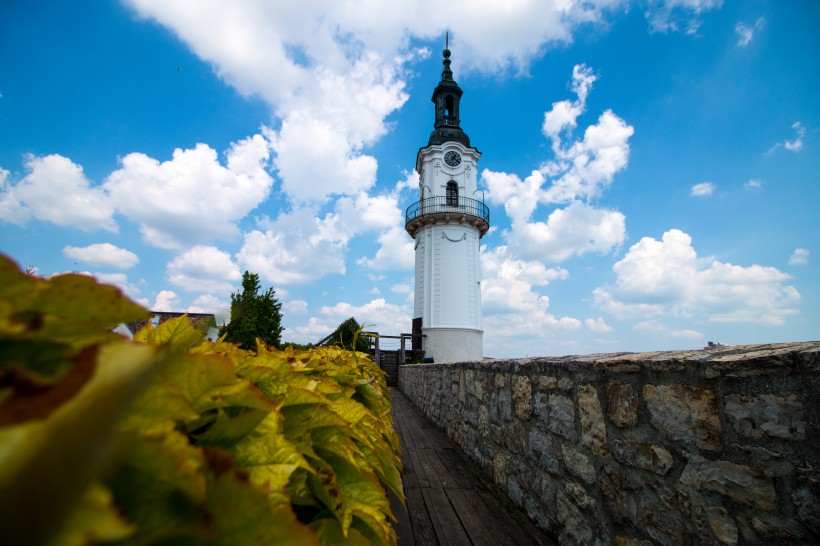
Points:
[(347, 336), (254, 315)]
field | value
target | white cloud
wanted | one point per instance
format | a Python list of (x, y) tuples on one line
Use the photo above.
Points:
[(800, 256), (703, 189), (797, 144), (167, 301), (395, 251), (746, 33), (208, 303), (191, 198), (511, 303), (572, 231), (583, 168), (297, 307), (678, 15), (657, 328), (375, 315), (666, 277), (204, 269), (794, 145), (297, 248), (55, 190), (598, 325), (313, 331), (103, 254), (753, 184)]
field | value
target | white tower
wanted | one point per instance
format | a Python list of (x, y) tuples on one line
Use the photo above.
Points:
[(447, 223)]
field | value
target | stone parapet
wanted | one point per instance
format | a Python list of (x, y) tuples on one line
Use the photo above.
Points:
[(718, 446)]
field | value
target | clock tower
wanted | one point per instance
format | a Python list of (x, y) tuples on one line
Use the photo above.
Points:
[(447, 224)]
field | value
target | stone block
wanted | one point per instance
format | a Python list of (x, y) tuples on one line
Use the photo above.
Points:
[(643, 455), (579, 496), (721, 524), (578, 464), (542, 449), (562, 416), (574, 527), (619, 495), (623, 404), (740, 483), (522, 397), (806, 498), (777, 416), (593, 428), (546, 382), (565, 383), (685, 414)]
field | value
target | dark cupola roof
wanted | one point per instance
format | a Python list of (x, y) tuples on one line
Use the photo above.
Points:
[(446, 97)]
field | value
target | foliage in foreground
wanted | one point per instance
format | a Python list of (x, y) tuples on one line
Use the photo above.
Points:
[(170, 439)]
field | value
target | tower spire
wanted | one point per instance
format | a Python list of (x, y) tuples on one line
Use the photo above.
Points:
[(446, 97)]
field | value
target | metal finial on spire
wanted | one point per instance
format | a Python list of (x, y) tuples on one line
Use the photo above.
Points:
[(447, 40)]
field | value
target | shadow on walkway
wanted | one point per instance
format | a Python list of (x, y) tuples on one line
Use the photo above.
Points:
[(448, 502)]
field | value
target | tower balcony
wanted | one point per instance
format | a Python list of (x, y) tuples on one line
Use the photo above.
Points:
[(434, 210)]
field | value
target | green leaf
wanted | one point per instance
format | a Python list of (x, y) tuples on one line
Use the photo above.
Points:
[(268, 456), (94, 519), (331, 534), (176, 332), (243, 515)]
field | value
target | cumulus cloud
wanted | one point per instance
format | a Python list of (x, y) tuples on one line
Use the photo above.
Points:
[(377, 314), (191, 198), (655, 327), (103, 254), (511, 302), (204, 269), (297, 307), (598, 325), (167, 301), (296, 248), (666, 277), (572, 231), (746, 33), (800, 256), (703, 189), (55, 190), (207, 303), (678, 15), (753, 184)]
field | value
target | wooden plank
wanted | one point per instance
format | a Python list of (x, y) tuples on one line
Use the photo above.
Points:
[(404, 530), (425, 473), (519, 529), (445, 521), (460, 468), (423, 531), (473, 523), (437, 467)]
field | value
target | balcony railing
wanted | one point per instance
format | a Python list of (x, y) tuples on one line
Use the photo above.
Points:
[(446, 205)]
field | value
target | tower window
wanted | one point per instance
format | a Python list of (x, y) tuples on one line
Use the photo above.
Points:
[(452, 193), (449, 115)]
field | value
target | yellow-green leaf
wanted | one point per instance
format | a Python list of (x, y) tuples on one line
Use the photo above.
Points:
[(93, 519)]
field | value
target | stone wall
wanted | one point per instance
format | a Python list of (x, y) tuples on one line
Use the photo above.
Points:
[(701, 447)]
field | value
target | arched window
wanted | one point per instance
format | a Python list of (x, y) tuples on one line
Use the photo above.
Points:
[(452, 193)]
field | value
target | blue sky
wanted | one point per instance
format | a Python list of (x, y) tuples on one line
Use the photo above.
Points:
[(651, 167)]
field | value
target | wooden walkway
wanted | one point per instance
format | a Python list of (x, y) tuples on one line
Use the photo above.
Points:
[(448, 503)]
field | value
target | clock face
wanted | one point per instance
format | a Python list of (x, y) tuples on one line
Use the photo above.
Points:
[(452, 158)]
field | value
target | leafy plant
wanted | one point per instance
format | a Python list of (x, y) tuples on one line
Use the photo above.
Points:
[(172, 439), (254, 315)]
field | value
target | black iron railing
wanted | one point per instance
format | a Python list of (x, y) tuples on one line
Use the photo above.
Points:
[(435, 205)]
